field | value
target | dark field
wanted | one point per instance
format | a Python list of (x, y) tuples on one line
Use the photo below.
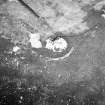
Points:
[(28, 78)]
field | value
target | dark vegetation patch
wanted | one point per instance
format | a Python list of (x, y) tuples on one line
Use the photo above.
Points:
[(5, 44), (65, 96)]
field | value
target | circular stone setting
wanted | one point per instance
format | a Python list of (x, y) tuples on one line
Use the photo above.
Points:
[(59, 45), (50, 53)]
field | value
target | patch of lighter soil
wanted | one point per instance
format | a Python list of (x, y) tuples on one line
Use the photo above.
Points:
[(99, 5), (64, 16), (70, 21)]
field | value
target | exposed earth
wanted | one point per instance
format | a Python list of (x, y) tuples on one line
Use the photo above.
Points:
[(38, 76)]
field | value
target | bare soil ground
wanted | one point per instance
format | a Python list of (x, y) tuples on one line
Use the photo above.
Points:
[(29, 79)]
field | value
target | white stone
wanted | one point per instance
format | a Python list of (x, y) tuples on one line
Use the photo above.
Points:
[(59, 44), (35, 36), (15, 49), (36, 44), (35, 40), (49, 44)]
